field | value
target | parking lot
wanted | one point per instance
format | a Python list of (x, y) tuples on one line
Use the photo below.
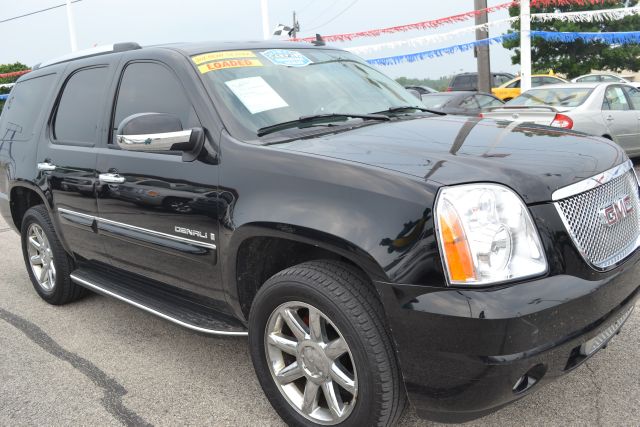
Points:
[(102, 362)]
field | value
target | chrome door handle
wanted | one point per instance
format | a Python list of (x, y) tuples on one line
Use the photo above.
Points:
[(610, 119), (111, 178), (46, 166)]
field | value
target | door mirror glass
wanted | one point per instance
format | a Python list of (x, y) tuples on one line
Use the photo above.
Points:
[(157, 132)]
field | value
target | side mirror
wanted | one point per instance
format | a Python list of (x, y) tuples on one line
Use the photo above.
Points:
[(158, 132)]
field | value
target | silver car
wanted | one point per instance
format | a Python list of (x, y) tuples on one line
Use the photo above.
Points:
[(610, 110), (603, 78)]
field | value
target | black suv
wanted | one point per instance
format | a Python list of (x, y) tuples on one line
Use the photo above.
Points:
[(469, 81), (371, 250)]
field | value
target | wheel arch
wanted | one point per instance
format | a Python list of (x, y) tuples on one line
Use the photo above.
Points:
[(23, 196), (257, 251)]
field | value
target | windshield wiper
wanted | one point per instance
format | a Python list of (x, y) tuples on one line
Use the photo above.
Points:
[(402, 108), (317, 119)]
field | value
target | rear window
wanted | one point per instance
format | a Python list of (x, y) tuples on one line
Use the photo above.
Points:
[(23, 108), (555, 97), (465, 81)]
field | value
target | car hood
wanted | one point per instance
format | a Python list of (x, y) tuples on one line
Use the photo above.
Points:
[(533, 160)]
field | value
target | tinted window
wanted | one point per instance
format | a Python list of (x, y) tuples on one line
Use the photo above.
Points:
[(152, 88), (614, 99), (536, 81), (551, 80), (23, 107), (80, 106), (556, 97)]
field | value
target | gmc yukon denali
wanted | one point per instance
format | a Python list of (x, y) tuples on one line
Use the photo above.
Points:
[(374, 252)]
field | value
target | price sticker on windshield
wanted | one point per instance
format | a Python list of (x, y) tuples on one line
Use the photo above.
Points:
[(288, 58)]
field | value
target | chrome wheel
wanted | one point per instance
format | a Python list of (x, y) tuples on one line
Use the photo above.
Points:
[(311, 363), (41, 257)]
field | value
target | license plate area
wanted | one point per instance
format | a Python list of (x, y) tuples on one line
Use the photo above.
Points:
[(582, 352), (600, 340)]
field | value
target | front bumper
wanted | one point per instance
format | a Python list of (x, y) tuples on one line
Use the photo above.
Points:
[(462, 352)]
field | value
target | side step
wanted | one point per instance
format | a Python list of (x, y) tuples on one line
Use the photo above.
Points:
[(177, 307)]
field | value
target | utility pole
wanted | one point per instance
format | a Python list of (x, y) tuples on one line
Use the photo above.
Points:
[(72, 28), (525, 45), (482, 52), (295, 27), (264, 11)]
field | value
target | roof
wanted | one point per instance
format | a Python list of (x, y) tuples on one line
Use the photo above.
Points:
[(214, 46)]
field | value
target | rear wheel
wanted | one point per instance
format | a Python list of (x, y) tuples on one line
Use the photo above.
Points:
[(47, 262), (321, 350)]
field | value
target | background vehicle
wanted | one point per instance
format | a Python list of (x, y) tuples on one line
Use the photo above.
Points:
[(462, 102), (604, 78), (469, 81), (511, 89), (372, 251), (611, 110), (422, 89)]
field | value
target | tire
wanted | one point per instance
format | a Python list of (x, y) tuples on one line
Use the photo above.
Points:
[(348, 308), (60, 290)]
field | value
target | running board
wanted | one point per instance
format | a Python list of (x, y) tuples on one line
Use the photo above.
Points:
[(174, 307)]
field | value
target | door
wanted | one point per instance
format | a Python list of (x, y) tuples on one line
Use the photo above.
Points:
[(156, 209), (619, 118), (634, 100), (67, 158)]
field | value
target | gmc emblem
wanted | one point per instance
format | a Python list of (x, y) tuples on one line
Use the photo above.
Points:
[(616, 211)]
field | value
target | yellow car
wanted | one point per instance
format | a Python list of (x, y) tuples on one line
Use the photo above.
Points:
[(511, 89)]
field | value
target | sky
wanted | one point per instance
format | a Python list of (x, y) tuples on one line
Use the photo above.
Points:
[(39, 37)]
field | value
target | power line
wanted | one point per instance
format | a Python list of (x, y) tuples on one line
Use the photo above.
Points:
[(36, 12), (335, 17), (323, 11)]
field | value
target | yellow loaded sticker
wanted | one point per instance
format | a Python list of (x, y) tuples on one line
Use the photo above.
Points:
[(215, 56), (229, 63)]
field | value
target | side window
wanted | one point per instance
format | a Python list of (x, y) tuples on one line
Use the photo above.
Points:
[(551, 80), (24, 105), (614, 99), (500, 79), (634, 97), (148, 87), (82, 101), (487, 101), (607, 78), (514, 84), (536, 81), (589, 79), (468, 103)]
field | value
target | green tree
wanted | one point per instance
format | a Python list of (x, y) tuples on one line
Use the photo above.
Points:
[(577, 58), (9, 68), (437, 84)]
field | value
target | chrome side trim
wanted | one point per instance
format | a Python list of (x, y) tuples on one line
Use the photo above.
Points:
[(153, 141), (99, 289), (140, 229), (592, 182)]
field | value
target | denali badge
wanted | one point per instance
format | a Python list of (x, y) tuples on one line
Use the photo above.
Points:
[(616, 211), (196, 233)]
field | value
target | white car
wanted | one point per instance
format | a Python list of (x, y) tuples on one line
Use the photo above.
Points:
[(610, 110), (603, 78)]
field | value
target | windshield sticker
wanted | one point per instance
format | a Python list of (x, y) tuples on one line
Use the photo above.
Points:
[(229, 63), (289, 58), (215, 56), (256, 94)]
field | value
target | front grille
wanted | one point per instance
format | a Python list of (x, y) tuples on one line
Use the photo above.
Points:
[(600, 244)]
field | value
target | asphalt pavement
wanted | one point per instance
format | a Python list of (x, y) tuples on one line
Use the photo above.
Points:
[(101, 362)]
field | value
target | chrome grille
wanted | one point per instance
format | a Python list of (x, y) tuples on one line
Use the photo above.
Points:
[(603, 245)]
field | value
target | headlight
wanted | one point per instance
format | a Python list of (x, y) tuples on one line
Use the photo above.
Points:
[(486, 235)]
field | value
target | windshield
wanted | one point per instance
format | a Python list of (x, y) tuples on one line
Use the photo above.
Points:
[(437, 101), (554, 97), (264, 87)]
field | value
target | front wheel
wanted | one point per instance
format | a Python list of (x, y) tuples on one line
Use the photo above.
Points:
[(321, 350)]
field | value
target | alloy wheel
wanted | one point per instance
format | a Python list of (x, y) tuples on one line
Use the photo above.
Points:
[(311, 363), (41, 257)]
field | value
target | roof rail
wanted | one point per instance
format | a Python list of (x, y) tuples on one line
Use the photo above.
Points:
[(94, 51)]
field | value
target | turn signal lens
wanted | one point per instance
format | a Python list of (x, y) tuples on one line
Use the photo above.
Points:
[(486, 235), (456, 248), (562, 121)]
